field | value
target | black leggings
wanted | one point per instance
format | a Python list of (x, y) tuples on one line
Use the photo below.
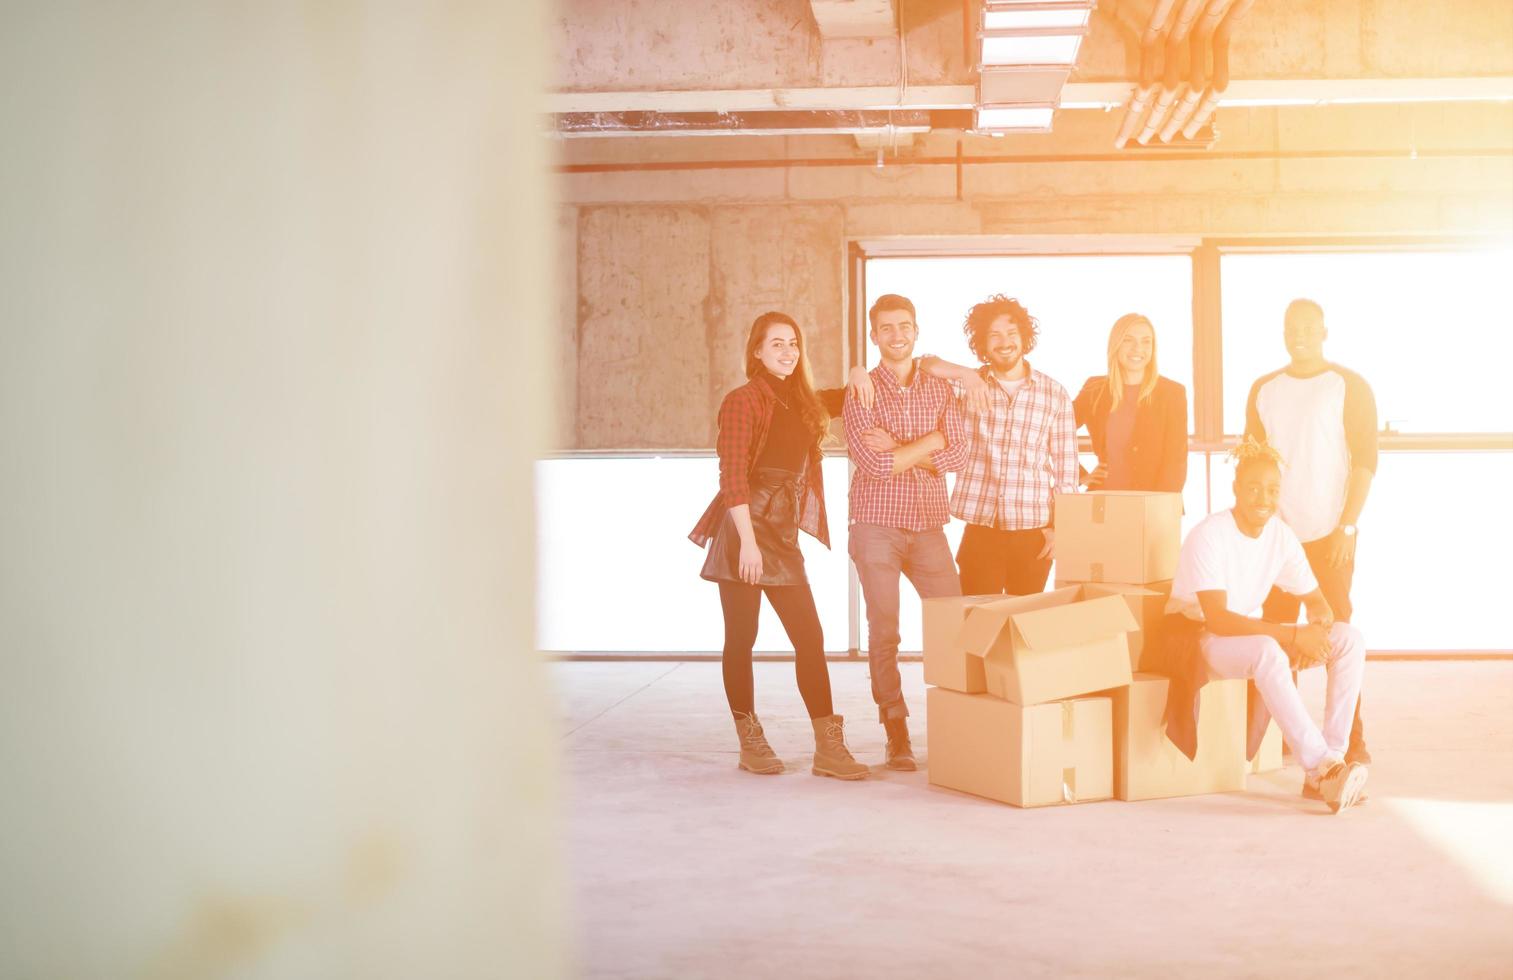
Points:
[(794, 605)]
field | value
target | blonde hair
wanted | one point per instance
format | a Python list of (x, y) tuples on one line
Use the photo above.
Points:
[(1116, 335), (1250, 451)]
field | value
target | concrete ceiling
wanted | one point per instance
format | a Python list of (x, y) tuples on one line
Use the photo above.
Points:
[(643, 64)]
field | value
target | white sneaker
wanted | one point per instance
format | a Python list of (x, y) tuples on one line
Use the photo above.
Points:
[(1339, 784)]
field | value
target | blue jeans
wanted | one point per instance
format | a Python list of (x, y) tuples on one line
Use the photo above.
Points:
[(880, 554)]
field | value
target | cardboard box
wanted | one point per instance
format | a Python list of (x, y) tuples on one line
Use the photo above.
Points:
[(1269, 753), (1118, 536), (947, 663), (1050, 645), (1147, 766), (1147, 603), (1040, 755)]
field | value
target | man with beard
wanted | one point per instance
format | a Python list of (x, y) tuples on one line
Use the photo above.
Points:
[(1022, 451), (901, 445)]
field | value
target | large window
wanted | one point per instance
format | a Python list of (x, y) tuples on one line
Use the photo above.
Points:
[(1429, 329), (617, 573)]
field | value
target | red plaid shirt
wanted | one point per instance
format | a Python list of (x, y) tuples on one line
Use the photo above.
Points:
[(745, 417), (1021, 453), (915, 499)]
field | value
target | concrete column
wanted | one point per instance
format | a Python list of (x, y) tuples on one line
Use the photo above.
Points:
[(274, 362)]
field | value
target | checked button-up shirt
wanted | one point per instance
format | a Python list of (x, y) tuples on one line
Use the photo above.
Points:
[(1020, 454), (914, 500)]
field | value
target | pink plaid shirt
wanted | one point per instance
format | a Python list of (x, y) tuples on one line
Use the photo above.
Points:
[(1019, 455), (914, 500)]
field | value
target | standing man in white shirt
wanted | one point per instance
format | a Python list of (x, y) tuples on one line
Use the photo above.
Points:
[(1229, 563), (1322, 418)]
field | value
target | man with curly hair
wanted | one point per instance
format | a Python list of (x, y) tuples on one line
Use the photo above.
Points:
[(1021, 452)]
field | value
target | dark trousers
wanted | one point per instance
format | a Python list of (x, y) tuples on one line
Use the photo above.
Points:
[(1283, 607), (794, 605), (998, 562)]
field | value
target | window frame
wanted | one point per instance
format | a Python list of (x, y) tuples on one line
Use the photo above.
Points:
[(1208, 433)]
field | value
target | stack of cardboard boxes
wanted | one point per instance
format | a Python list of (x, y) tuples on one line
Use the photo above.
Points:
[(1040, 699)]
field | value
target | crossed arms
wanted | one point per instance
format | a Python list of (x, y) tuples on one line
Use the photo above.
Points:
[(879, 454)]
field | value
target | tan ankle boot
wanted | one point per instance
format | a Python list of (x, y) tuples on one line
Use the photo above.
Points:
[(899, 753), (756, 755), (831, 757)]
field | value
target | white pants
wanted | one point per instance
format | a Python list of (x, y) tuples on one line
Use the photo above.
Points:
[(1261, 658)]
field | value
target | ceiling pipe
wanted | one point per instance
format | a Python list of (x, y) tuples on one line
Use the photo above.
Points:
[(1197, 78), (1221, 68), (1175, 40), (1150, 44)]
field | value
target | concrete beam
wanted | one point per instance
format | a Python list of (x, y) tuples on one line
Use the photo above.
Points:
[(854, 18), (1076, 95)]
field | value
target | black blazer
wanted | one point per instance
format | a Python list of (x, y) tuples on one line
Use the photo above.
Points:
[(1159, 442)]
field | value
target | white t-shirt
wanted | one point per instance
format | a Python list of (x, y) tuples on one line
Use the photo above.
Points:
[(1324, 426), (1010, 388), (1218, 556)]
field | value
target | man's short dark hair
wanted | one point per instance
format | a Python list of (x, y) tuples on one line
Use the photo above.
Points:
[(980, 320), (1301, 305), (891, 301)]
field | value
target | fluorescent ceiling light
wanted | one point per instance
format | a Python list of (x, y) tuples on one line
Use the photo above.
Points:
[(1030, 49), (998, 20), (1018, 85), (1015, 118)]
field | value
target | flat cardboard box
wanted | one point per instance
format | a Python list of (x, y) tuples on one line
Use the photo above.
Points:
[(1051, 645), (1118, 536), (1041, 755), (1147, 766), (947, 663), (1147, 603), (1269, 753)]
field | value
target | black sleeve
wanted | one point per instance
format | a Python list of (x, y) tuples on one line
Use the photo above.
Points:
[(1360, 422), (834, 400), (1254, 428), (1082, 405), (1173, 475)]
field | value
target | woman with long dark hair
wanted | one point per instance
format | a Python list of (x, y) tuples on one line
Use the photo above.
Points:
[(770, 489), (1137, 420)]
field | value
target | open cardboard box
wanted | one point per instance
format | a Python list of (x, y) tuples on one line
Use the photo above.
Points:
[(1050, 645), (1147, 603), (1118, 536), (947, 662), (1040, 755)]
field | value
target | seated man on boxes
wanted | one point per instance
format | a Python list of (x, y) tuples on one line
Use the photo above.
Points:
[(1229, 564)]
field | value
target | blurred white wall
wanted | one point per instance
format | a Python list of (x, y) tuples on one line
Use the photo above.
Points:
[(268, 700)]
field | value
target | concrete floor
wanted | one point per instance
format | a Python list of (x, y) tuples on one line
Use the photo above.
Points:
[(683, 866)]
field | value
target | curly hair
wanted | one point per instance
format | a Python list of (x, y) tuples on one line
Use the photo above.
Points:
[(980, 320), (1251, 452)]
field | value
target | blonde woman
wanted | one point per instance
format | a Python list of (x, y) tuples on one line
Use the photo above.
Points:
[(1137, 419)]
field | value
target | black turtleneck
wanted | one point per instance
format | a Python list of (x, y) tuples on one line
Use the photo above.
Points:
[(788, 438)]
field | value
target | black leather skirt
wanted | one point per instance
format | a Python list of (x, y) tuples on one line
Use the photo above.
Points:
[(774, 519)]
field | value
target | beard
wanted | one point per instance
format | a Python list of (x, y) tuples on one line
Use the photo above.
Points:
[(1004, 364)]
